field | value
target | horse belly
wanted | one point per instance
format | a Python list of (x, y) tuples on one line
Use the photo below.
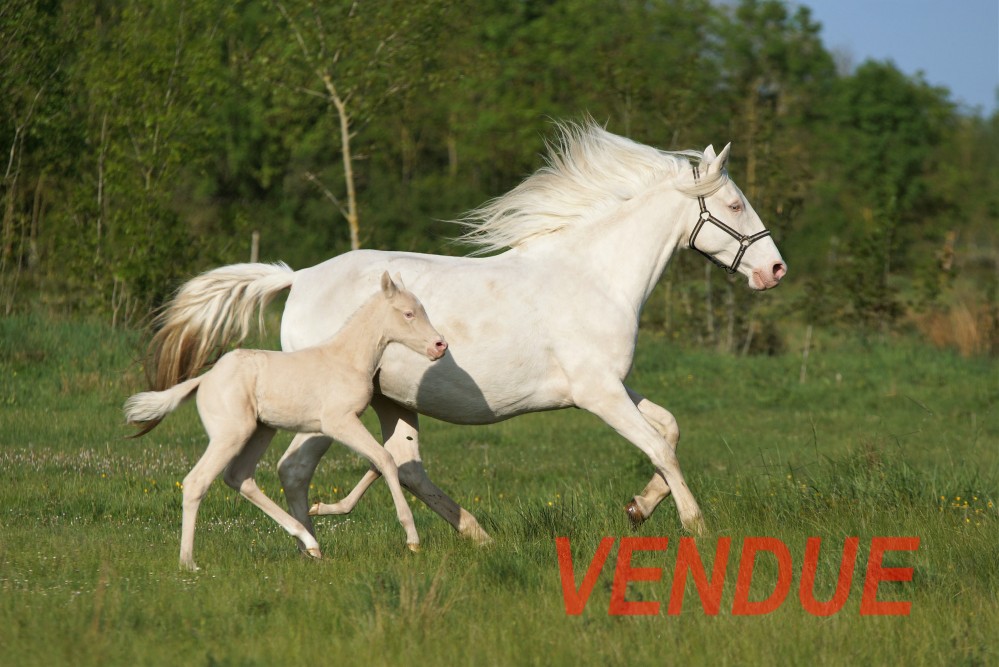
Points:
[(464, 390), (498, 363)]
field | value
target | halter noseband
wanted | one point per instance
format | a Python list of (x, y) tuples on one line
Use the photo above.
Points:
[(744, 241)]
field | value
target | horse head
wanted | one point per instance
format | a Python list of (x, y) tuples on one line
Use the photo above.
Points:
[(727, 230)]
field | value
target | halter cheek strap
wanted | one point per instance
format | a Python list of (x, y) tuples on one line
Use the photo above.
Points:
[(744, 240)]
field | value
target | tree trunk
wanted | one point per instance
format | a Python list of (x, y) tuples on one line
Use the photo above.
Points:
[(348, 161)]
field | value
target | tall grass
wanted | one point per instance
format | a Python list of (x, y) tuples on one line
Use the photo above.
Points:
[(891, 439)]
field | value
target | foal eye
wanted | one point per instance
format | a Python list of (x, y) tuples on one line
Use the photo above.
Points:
[(409, 315)]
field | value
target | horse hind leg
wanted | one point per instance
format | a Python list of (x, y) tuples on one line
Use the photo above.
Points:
[(351, 432), (401, 432), (296, 469), (240, 476)]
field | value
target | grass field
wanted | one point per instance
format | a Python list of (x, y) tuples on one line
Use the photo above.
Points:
[(881, 440)]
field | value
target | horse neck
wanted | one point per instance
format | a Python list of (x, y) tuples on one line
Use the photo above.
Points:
[(362, 337), (629, 249)]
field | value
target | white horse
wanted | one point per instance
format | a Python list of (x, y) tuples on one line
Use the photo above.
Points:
[(323, 389), (550, 323)]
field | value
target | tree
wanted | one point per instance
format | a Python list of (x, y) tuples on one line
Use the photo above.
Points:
[(886, 127), (775, 76), (144, 76), (31, 137), (355, 57)]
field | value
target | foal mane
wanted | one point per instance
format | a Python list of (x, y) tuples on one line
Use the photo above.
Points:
[(588, 171)]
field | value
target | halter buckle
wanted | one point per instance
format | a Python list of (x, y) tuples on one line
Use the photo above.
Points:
[(744, 241)]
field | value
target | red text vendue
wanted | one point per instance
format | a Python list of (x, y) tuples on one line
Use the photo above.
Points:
[(709, 588)]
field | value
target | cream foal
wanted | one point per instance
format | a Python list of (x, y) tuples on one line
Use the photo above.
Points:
[(249, 394)]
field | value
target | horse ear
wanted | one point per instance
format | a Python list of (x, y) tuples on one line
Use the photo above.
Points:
[(388, 287), (720, 160), (709, 154), (398, 281)]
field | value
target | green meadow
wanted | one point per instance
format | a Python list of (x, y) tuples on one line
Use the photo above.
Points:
[(881, 439)]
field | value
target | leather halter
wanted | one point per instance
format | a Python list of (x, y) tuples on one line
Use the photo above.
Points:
[(744, 241)]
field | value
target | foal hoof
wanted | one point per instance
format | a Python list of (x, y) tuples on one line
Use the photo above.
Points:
[(314, 510), (314, 552), (414, 547), (634, 515)]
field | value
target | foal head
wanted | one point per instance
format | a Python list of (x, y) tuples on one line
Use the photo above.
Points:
[(407, 321)]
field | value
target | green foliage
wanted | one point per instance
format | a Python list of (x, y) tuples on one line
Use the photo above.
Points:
[(147, 140)]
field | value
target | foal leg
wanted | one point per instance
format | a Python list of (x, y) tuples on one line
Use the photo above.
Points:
[(347, 505), (239, 475), (612, 403), (642, 506), (351, 432), (401, 432), (296, 468), (221, 449)]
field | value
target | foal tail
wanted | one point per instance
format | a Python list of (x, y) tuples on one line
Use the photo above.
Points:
[(150, 407), (209, 313)]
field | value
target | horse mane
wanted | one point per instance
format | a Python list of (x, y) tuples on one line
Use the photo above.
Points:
[(587, 172)]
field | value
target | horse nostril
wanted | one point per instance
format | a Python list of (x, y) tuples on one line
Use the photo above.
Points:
[(441, 345), (779, 270)]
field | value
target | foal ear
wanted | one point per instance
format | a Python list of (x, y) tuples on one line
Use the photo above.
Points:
[(389, 288), (398, 280)]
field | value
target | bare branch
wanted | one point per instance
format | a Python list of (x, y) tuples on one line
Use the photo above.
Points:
[(294, 28), (320, 30), (18, 138), (329, 195), (312, 93)]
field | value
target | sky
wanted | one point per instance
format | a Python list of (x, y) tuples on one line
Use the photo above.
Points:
[(954, 43)]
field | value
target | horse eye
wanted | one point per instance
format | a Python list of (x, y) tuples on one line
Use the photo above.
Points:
[(735, 207)]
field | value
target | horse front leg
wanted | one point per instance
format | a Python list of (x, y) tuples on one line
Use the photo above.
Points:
[(643, 505), (614, 404), (401, 432), (296, 469)]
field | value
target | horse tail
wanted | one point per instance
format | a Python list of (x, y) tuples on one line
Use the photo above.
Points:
[(150, 407), (207, 315)]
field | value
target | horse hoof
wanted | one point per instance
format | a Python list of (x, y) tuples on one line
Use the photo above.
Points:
[(414, 547), (475, 533), (314, 552), (634, 515)]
